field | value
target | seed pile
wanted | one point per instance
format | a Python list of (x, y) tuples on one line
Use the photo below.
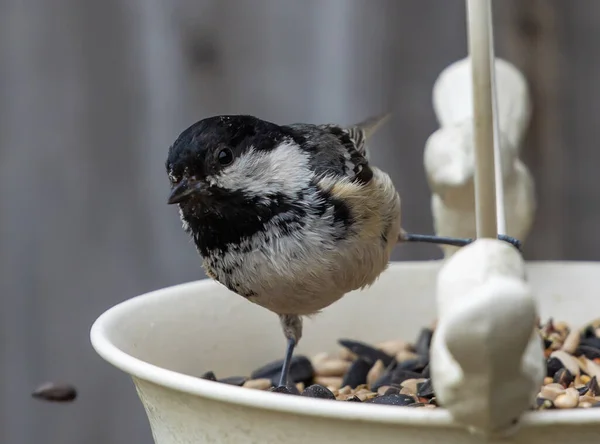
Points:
[(396, 372)]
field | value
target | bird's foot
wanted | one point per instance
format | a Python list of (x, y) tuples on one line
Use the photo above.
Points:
[(453, 241), (287, 361)]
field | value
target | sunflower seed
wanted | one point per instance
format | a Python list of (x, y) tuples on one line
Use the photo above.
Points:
[(234, 380), (394, 377), (392, 347), (567, 400), (286, 390), (568, 361), (424, 342), (375, 372), (587, 351), (301, 370), (331, 367), (318, 391), (397, 399), (209, 375), (258, 384), (55, 392), (425, 389), (564, 377), (571, 342), (357, 373), (366, 352), (593, 387), (329, 381)]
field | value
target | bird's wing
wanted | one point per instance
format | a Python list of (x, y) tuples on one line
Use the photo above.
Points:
[(353, 138), (357, 134)]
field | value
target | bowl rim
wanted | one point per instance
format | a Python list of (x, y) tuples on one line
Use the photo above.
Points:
[(309, 407)]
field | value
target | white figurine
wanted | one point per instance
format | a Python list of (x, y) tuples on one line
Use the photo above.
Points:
[(453, 97), (487, 359), (449, 156)]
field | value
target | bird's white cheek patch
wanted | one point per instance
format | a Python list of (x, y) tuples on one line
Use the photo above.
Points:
[(284, 170)]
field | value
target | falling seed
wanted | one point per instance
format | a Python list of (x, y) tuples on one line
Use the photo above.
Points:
[(55, 392)]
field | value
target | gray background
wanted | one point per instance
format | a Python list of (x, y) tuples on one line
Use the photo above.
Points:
[(93, 92)]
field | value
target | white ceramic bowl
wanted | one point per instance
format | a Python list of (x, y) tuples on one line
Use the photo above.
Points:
[(166, 338)]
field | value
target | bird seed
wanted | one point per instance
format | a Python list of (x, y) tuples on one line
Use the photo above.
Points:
[(396, 372)]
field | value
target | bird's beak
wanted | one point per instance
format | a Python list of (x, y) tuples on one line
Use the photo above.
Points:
[(184, 189)]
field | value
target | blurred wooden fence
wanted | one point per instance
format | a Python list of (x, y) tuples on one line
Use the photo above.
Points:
[(92, 93)]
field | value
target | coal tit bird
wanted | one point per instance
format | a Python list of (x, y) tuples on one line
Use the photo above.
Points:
[(291, 217)]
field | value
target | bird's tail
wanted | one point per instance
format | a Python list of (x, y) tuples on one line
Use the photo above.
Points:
[(362, 131), (372, 124)]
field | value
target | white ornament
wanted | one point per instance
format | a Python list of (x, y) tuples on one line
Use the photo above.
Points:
[(449, 157), (487, 359)]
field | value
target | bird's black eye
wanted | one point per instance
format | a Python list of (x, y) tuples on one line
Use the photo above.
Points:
[(225, 156)]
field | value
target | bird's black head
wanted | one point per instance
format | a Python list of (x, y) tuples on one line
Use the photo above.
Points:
[(235, 170), (207, 148)]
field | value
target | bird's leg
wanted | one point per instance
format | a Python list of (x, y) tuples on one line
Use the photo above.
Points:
[(292, 329), (454, 241)]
